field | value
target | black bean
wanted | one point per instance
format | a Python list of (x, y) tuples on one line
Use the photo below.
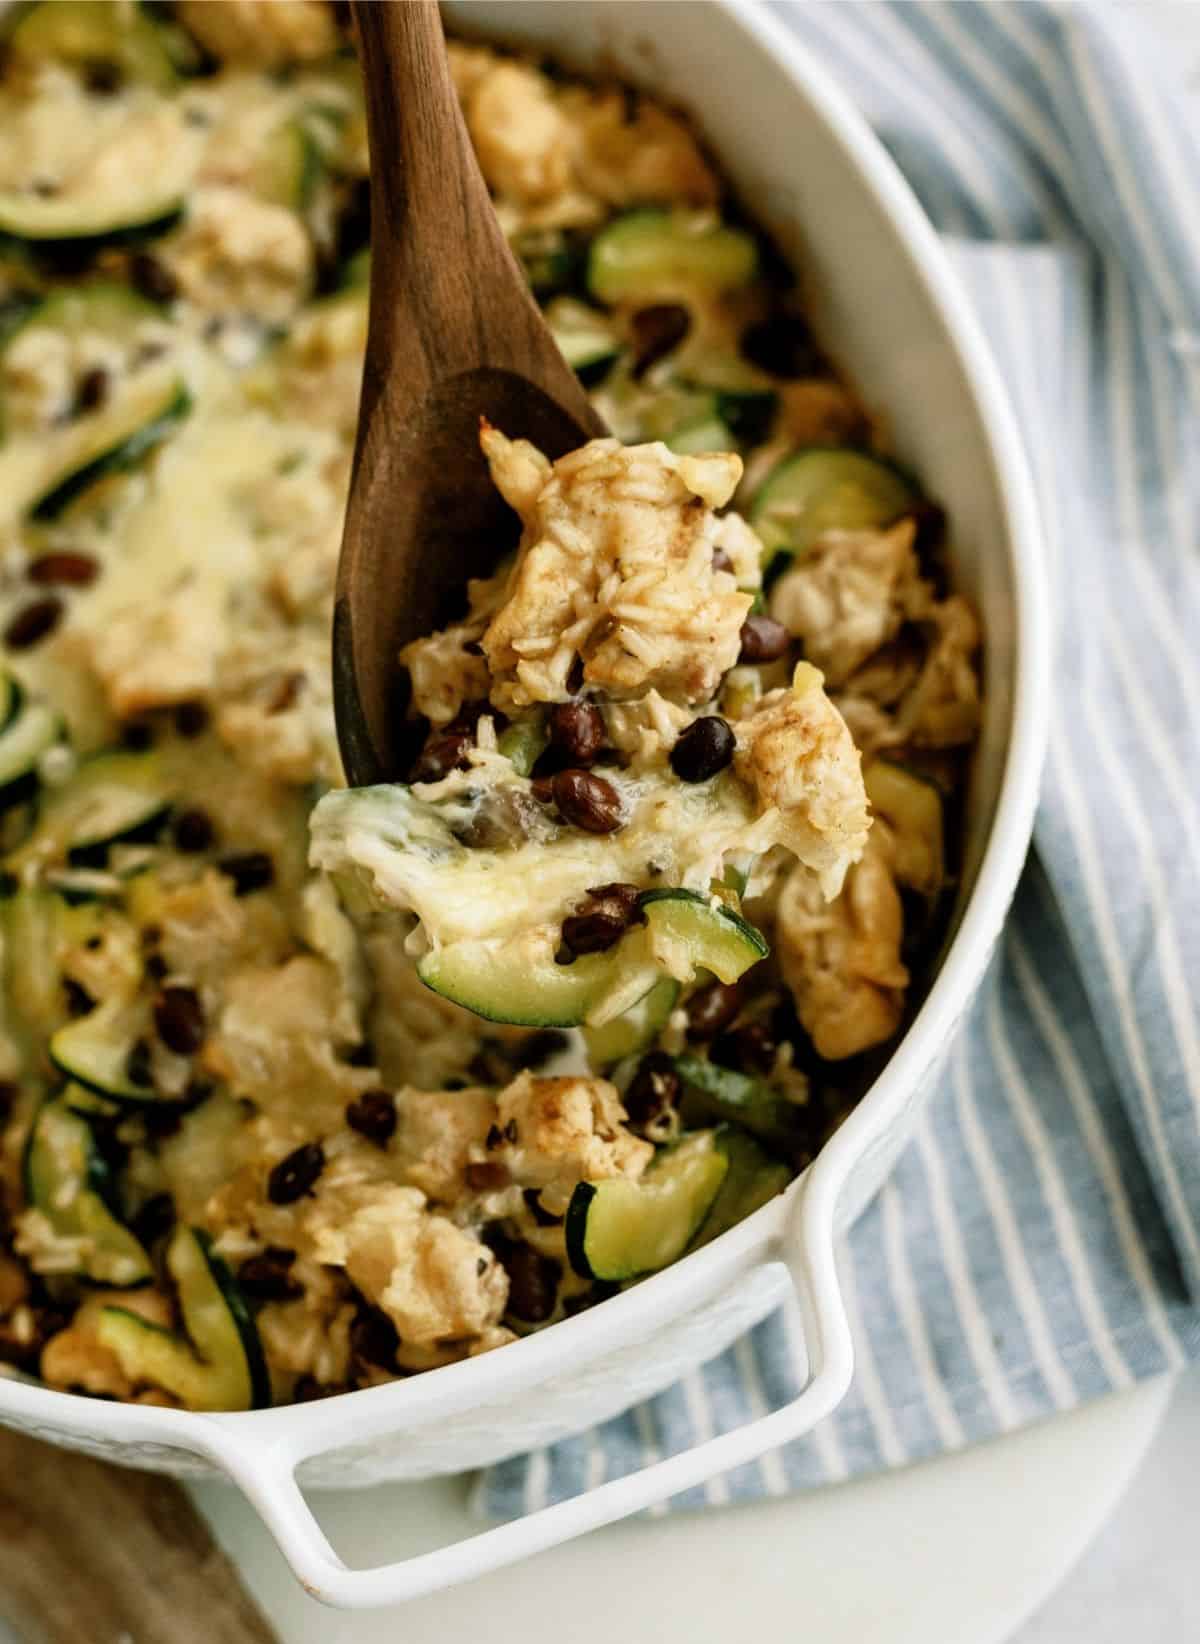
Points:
[(155, 1218), (374, 1338), (79, 1000), (373, 1115), (486, 1175), (137, 1064), (267, 1277), (33, 623), (656, 331), (152, 278), (68, 569), (711, 1009), (532, 1281), (295, 1175), (586, 801), (578, 730), (751, 1049), (137, 735), (94, 388), (102, 77), (763, 639), (539, 1047), (179, 1019), (250, 871), (654, 1089), (705, 748), (602, 920), (193, 830), (191, 718), (444, 752), (784, 345), (533, 1203)]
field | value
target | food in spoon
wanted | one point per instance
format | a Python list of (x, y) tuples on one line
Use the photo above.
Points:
[(247, 1153), (558, 886)]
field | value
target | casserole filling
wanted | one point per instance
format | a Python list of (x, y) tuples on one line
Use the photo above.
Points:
[(680, 839)]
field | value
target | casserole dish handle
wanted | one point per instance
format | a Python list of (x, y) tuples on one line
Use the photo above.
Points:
[(266, 1473)]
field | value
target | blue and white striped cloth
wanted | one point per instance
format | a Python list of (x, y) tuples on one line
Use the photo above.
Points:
[(1039, 1243)]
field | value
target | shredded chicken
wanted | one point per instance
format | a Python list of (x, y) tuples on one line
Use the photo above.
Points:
[(795, 752), (841, 959), (615, 567), (560, 1131), (262, 32), (850, 596)]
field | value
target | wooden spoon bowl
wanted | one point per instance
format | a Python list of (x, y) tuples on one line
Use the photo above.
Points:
[(455, 335)]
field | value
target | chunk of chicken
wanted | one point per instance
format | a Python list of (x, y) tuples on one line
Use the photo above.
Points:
[(616, 567), (841, 959), (438, 1133), (559, 1131), (162, 651), (239, 255), (433, 1279), (795, 752), (850, 596), (943, 709), (262, 32), (522, 140)]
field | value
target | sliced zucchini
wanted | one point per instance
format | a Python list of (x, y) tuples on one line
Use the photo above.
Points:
[(751, 1181), (645, 256), (636, 1029), (586, 338), (145, 412), (81, 33), (11, 696), (287, 167), (618, 1228), (705, 434), (32, 728), (519, 980), (826, 489), (107, 218), (67, 1179), (523, 742), (111, 797), (690, 933), (912, 806), (32, 977), (103, 308), (98, 1052), (713, 1092), (218, 1364)]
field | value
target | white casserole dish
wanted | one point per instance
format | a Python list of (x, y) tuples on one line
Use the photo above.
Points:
[(893, 316)]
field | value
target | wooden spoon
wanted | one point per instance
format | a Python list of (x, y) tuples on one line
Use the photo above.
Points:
[(455, 335)]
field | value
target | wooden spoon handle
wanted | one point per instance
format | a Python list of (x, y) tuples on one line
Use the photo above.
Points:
[(94, 1554), (447, 294)]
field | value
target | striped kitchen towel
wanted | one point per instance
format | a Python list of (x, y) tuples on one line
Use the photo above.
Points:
[(1039, 1242)]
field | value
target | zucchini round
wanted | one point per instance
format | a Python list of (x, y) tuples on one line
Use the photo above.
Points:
[(80, 33), (111, 797), (586, 338), (144, 413), (689, 933), (636, 1029), (618, 1228), (218, 1364), (67, 1179), (645, 256), (715, 1093), (97, 1051), (826, 489), (30, 730), (518, 981), (751, 1181)]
